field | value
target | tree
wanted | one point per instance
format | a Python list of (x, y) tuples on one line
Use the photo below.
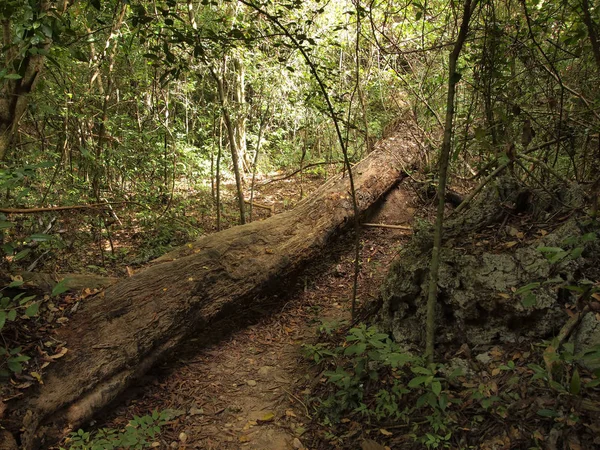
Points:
[(453, 78), (27, 33)]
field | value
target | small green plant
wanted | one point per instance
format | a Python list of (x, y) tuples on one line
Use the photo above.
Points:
[(317, 352), (376, 379), (574, 248), (562, 373), (14, 309), (329, 327), (139, 433)]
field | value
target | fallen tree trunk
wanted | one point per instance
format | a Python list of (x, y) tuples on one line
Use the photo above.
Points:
[(121, 333)]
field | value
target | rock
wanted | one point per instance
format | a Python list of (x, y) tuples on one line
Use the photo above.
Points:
[(174, 444), (297, 444), (251, 382), (586, 337), (478, 303), (457, 365), (484, 358), (183, 437)]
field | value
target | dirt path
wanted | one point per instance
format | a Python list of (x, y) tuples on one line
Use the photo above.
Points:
[(238, 389)]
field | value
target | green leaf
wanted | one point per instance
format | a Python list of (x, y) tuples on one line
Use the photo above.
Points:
[(356, 349), (529, 300), (15, 366), (60, 288), (22, 254), (398, 359), (40, 237), (12, 76), (436, 388), (2, 319), (527, 288), (443, 402), (32, 309), (417, 381), (589, 237), (558, 387), (558, 256), (575, 383), (547, 413), (4, 224), (12, 315), (15, 283), (576, 252), (421, 370)]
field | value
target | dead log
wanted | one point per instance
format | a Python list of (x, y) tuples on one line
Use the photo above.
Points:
[(118, 335)]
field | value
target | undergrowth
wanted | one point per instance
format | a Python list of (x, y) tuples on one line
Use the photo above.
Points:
[(369, 379)]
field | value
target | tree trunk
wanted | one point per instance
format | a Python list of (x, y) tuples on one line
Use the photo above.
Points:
[(232, 140), (14, 93), (453, 77), (239, 95), (118, 335)]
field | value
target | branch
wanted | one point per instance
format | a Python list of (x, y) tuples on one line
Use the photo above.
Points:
[(295, 172), (61, 208)]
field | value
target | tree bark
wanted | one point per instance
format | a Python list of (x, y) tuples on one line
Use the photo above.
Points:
[(118, 335)]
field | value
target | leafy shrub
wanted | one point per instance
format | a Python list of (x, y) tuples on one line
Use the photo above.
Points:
[(139, 433)]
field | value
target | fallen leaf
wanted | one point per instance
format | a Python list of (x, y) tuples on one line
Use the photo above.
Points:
[(249, 424), (60, 354), (37, 376), (244, 438), (369, 444), (196, 411), (267, 417), (538, 435), (510, 244), (385, 432), (290, 413)]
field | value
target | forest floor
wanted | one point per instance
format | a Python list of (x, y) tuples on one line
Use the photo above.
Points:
[(245, 384)]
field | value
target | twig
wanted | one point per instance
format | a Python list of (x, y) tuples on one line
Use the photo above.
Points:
[(300, 170), (260, 205), (478, 189), (297, 399), (383, 225), (567, 330)]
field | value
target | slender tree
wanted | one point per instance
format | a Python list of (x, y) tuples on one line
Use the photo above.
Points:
[(453, 78)]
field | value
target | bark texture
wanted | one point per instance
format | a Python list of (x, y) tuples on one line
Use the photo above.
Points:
[(119, 334)]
